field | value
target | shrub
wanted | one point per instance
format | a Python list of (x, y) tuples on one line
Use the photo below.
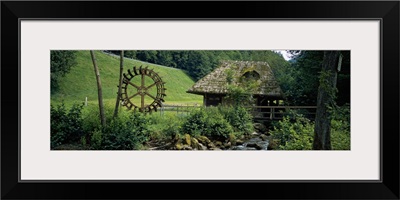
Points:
[(60, 65), (217, 126), (294, 135), (123, 133), (66, 126), (209, 122), (196, 123), (164, 126), (91, 118), (340, 136), (239, 118), (298, 133), (340, 128), (96, 139)]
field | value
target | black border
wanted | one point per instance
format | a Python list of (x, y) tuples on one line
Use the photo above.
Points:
[(387, 11)]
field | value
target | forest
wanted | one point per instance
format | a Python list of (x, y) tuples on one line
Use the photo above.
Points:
[(309, 78)]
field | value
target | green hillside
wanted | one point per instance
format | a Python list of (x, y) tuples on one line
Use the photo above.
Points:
[(80, 82)]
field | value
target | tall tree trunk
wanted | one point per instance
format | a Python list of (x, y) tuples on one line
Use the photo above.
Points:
[(326, 95), (99, 90), (121, 69)]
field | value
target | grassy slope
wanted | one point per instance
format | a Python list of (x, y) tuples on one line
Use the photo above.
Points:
[(81, 81)]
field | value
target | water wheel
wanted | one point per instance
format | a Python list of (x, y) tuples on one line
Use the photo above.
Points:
[(143, 90)]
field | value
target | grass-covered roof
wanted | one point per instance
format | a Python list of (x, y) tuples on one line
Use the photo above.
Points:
[(238, 73)]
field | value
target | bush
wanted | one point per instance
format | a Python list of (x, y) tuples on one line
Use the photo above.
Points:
[(91, 118), (239, 118), (164, 126), (297, 133), (340, 128), (123, 133), (96, 139), (61, 63), (294, 135), (196, 123), (66, 126), (209, 122)]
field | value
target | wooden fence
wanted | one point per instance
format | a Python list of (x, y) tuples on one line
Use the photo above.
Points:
[(265, 113), (259, 113)]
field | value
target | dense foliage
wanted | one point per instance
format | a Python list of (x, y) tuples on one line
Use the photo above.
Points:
[(131, 130), (125, 133), (239, 118), (300, 80), (199, 63), (295, 132), (209, 122), (66, 125), (60, 64)]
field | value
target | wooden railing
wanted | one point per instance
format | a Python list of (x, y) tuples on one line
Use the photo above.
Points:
[(179, 108), (277, 112), (261, 113)]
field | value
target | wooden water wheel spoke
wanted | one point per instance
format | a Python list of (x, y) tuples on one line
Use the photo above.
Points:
[(130, 83), (151, 96), (141, 91), (142, 80), (133, 96), (155, 83), (142, 101)]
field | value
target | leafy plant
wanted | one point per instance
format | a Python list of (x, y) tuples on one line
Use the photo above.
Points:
[(209, 122), (196, 123), (295, 132), (125, 134), (294, 135), (60, 64), (66, 126), (239, 118), (164, 126)]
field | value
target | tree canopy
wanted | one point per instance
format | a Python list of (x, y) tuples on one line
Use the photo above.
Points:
[(300, 81), (60, 64), (199, 63)]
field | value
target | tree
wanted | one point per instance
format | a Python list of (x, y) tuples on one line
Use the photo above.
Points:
[(147, 55), (99, 90), (130, 54), (121, 69), (60, 64), (326, 97)]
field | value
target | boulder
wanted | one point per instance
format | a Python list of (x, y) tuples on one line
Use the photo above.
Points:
[(273, 144), (202, 147), (232, 139), (261, 128), (177, 142), (218, 143), (187, 139), (239, 142), (251, 145), (255, 134), (264, 137), (258, 146), (178, 146), (211, 145), (195, 144), (203, 139), (186, 147), (227, 145)]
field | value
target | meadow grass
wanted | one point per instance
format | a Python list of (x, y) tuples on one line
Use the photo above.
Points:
[(80, 82)]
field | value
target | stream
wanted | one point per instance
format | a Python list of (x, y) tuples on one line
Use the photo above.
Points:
[(255, 143)]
